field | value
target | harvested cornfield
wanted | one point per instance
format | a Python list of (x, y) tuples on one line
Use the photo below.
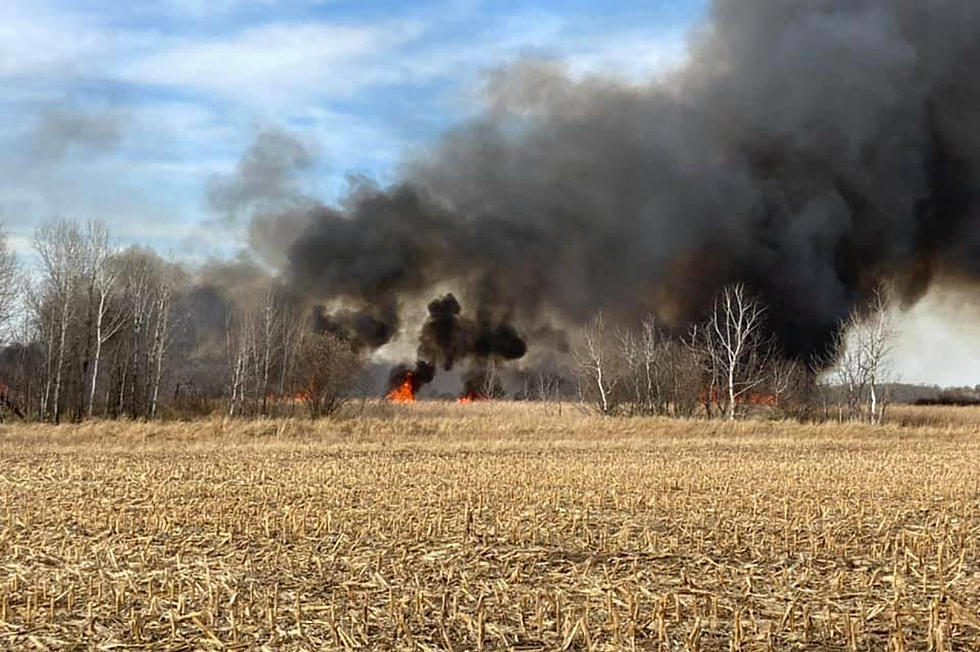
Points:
[(489, 527)]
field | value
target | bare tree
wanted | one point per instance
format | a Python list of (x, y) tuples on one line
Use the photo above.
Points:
[(863, 346), (58, 244), (877, 338), (291, 330), (103, 274), (9, 282), (490, 386), (735, 344), (327, 371), (596, 360), (146, 288), (678, 379), (658, 373), (163, 297), (240, 334), (272, 316), (139, 301), (791, 384), (848, 373)]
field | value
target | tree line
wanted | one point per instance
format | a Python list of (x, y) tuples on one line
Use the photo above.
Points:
[(97, 330), (727, 366)]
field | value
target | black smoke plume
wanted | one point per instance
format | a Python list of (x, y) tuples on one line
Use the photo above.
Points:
[(447, 336), (419, 376), (810, 149), (361, 328)]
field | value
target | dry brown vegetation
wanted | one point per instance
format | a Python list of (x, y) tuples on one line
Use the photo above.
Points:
[(491, 527)]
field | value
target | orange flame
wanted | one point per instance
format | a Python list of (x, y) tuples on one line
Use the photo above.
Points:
[(470, 397), (403, 393)]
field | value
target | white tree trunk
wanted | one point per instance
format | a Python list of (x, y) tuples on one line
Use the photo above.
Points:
[(61, 359), (160, 345), (731, 393), (602, 388), (98, 353)]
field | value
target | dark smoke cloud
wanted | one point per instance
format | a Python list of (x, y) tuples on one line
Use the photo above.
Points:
[(265, 187), (360, 328), (448, 336), (809, 148)]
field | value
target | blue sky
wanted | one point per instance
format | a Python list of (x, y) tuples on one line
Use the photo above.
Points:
[(124, 111)]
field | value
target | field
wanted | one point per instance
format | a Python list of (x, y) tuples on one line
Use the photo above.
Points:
[(491, 527)]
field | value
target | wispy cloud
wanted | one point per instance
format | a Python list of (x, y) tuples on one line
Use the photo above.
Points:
[(267, 61), (35, 42)]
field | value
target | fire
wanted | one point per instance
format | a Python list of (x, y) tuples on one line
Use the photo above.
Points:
[(751, 398), (768, 400), (403, 392), (470, 397)]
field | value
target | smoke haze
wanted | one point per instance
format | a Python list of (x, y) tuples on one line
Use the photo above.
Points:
[(810, 149)]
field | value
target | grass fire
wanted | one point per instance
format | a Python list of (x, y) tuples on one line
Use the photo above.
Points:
[(404, 392), (468, 326)]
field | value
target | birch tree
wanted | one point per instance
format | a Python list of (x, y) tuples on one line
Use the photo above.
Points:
[(9, 283), (104, 273), (596, 359), (58, 244), (270, 329), (864, 345), (736, 344), (161, 334), (241, 350)]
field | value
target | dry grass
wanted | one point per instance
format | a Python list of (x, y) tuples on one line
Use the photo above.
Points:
[(490, 527), (934, 415)]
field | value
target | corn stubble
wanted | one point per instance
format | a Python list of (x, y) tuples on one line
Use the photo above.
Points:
[(490, 527)]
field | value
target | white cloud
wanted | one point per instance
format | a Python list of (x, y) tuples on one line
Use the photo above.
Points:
[(297, 59), (201, 8), (634, 56), (31, 43)]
